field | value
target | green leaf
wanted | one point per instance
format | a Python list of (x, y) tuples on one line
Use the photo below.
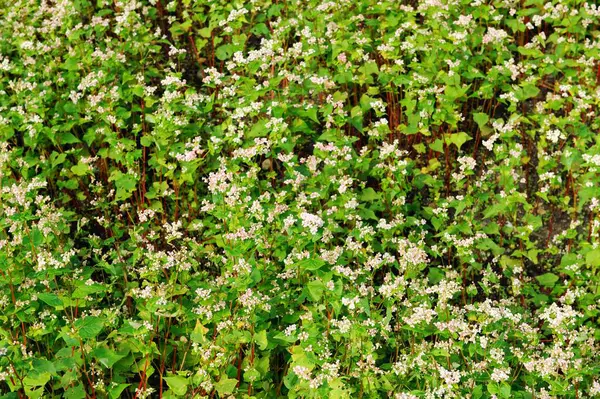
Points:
[(57, 158), (251, 375), (369, 68), (367, 213), (71, 64), (437, 145), (76, 392), (477, 392), (125, 184), (365, 102), (369, 195), (81, 169), (69, 138), (505, 390), (530, 91), (454, 92), (37, 238), (312, 114), (36, 379), (261, 339), (50, 299), (458, 139), (138, 90), (84, 290), (592, 258), (89, 326), (435, 275), (146, 141), (260, 30), (282, 337), (547, 279), (532, 255), (329, 135), (34, 393), (481, 119), (259, 129), (178, 384), (198, 333), (70, 108), (226, 385), (310, 264), (106, 356), (315, 289), (178, 29), (493, 210), (116, 391), (224, 52), (356, 112), (205, 32), (420, 148)]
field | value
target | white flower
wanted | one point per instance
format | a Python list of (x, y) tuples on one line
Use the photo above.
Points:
[(500, 375), (290, 330), (449, 377), (311, 222), (555, 135), (302, 372), (494, 35), (350, 302)]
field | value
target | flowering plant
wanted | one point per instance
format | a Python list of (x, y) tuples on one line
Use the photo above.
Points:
[(304, 199)]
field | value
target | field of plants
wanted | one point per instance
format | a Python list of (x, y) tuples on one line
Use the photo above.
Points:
[(299, 198)]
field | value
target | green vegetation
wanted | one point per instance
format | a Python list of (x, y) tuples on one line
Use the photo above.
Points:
[(297, 198)]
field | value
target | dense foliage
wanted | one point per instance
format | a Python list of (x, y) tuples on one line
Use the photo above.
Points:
[(296, 198)]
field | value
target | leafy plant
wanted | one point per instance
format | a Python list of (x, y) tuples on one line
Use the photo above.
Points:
[(304, 199)]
